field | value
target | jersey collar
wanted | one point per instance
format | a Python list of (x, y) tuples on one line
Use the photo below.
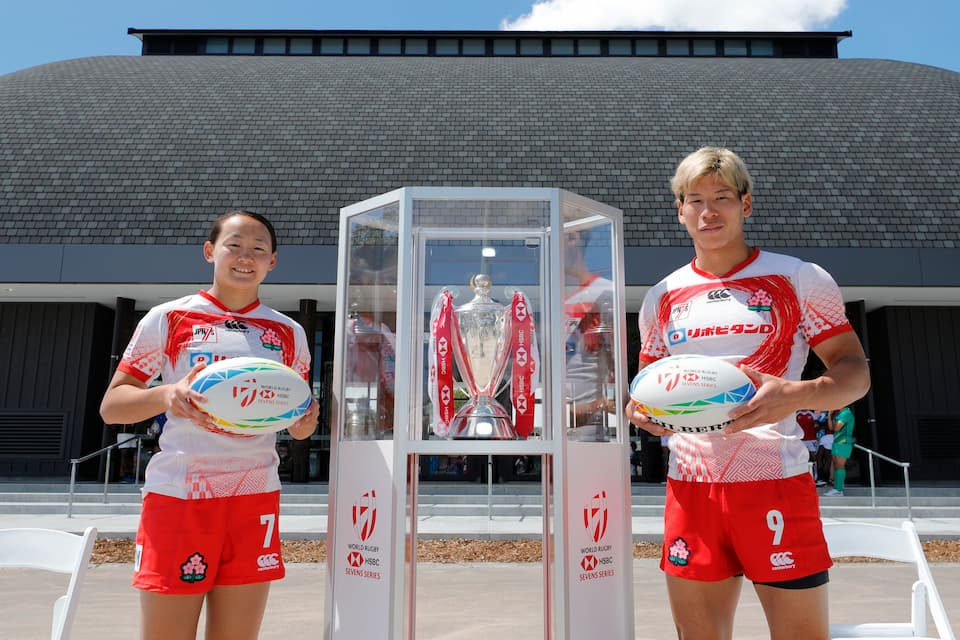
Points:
[(213, 300), (754, 254)]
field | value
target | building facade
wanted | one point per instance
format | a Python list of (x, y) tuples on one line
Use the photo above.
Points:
[(111, 168)]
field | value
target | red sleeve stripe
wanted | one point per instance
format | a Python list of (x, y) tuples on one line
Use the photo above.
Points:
[(829, 333), (136, 373)]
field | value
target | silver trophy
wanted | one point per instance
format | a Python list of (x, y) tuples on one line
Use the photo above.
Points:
[(481, 347)]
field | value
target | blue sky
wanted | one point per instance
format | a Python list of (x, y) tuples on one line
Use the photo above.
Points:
[(40, 31)]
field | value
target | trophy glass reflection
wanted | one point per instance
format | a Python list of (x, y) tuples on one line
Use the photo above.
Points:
[(481, 341)]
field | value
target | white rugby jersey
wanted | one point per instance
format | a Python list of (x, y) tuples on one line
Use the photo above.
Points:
[(194, 462), (765, 313)]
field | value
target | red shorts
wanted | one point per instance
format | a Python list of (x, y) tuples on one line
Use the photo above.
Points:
[(769, 531), (190, 546)]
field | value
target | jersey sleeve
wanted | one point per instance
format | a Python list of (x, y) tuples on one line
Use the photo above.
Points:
[(651, 333), (143, 357), (823, 313), (301, 355)]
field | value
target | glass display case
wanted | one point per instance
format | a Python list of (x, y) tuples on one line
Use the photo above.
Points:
[(480, 321)]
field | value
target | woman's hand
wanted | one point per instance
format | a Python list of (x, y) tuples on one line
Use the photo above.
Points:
[(306, 425), (642, 421), (180, 399)]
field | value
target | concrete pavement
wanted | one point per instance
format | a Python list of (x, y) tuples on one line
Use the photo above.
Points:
[(455, 602)]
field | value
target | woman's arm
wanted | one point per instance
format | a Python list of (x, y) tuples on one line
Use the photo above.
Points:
[(128, 400)]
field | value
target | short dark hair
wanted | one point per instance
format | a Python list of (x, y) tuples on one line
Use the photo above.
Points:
[(217, 226)]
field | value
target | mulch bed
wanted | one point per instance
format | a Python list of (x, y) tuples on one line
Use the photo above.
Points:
[(453, 550)]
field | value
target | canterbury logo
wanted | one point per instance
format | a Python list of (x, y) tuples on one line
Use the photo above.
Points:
[(782, 560), (718, 294), (268, 561), (234, 325)]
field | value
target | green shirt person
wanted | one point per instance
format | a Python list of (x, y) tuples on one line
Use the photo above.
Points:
[(842, 423)]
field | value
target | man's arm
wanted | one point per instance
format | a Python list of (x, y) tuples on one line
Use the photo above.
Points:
[(846, 378)]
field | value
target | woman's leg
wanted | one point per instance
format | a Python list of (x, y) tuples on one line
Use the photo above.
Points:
[(234, 612), (839, 472), (795, 614), (703, 610), (169, 617)]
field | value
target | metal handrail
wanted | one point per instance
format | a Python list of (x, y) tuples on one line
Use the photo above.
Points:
[(873, 485), (106, 469)]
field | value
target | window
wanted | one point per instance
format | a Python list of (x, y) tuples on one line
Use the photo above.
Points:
[(647, 48), (734, 47), (389, 46), (588, 47), (678, 47), (331, 46), (274, 46), (531, 47), (301, 46), (244, 45), (761, 47), (358, 46), (619, 47), (561, 47), (415, 46), (474, 47), (704, 47), (504, 47), (448, 47), (218, 45)]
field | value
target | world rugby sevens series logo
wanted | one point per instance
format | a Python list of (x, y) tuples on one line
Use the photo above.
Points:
[(364, 515), (595, 516), (246, 391)]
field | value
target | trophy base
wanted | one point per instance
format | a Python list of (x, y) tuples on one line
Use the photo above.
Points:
[(482, 421)]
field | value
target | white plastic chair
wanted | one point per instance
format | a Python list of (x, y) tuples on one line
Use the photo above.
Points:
[(50, 550), (899, 544)]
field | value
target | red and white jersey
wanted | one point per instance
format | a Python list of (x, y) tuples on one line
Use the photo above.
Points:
[(194, 462), (766, 313)]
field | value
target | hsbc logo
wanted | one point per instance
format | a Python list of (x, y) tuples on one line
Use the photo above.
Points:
[(782, 560), (355, 559), (521, 404), (521, 356), (520, 311), (719, 295), (595, 516), (268, 561), (442, 346), (364, 515), (589, 562)]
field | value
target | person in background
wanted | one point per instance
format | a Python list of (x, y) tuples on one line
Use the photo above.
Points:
[(807, 422), (208, 529), (824, 460), (741, 502), (841, 422)]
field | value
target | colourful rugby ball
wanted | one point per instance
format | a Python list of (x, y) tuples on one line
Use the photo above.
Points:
[(690, 393), (252, 396)]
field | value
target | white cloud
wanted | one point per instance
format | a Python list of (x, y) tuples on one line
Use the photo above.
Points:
[(678, 15)]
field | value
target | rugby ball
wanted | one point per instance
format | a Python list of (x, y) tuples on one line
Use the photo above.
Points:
[(252, 396), (690, 393)]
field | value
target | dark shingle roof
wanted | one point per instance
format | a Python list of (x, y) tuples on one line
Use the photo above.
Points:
[(845, 153)]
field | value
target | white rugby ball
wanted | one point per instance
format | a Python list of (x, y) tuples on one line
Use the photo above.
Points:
[(690, 393), (252, 396)]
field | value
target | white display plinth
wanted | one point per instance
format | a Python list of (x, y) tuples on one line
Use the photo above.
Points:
[(398, 253)]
